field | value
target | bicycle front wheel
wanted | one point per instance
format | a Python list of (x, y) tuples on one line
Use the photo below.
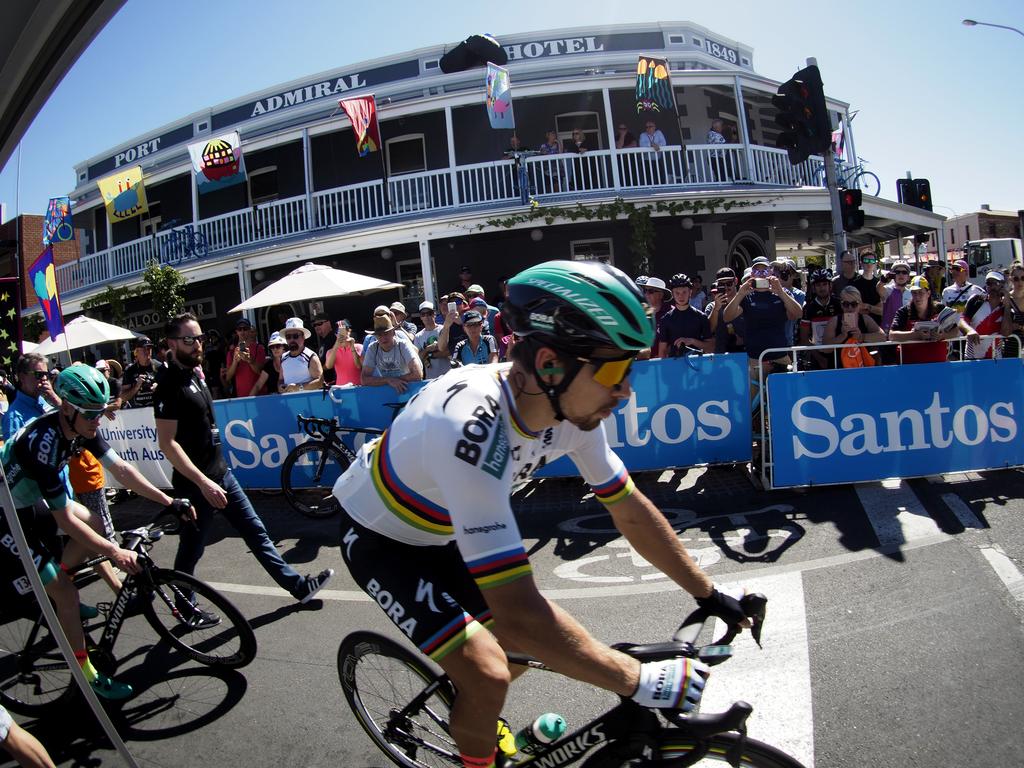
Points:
[(199, 621), (401, 703), (34, 675), (867, 183), (308, 476), (677, 747)]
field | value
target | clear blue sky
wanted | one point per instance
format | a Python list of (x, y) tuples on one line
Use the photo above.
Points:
[(935, 97)]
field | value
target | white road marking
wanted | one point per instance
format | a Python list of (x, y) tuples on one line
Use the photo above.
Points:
[(895, 512), (776, 680), (963, 512), (1005, 570)]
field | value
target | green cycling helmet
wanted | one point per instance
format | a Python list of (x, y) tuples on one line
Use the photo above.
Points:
[(578, 306), (83, 386)]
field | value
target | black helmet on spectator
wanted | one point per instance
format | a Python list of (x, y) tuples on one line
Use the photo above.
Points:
[(820, 276), (680, 280)]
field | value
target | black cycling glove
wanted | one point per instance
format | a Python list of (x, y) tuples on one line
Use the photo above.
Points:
[(726, 607)]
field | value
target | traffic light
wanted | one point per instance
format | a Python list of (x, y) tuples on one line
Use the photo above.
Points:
[(905, 191), (922, 194), (803, 116), (849, 209)]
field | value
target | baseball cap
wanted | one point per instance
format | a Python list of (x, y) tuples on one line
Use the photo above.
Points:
[(478, 302), (471, 318), (760, 260), (320, 317), (995, 275), (475, 288), (961, 263), (465, 268), (919, 284), (142, 341), (243, 322), (426, 305)]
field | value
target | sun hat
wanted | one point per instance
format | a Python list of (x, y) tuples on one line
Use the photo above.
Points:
[(382, 324), (398, 306), (115, 368), (276, 339), (295, 324), (656, 282), (426, 305)]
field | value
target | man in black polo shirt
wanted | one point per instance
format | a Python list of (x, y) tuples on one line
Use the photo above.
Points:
[(821, 306), (326, 337), (139, 379), (683, 326), (200, 473)]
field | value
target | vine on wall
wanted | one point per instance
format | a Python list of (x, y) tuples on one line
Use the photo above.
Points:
[(641, 243)]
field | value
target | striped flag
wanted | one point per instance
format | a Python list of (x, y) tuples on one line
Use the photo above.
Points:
[(362, 111), (43, 276)]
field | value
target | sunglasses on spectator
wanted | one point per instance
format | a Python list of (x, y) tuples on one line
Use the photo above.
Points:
[(652, 290), (89, 413), (761, 272), (956, 269), (850, 304), (783, 274), (42, 375), (190, 340), (609, 373), (292, 336), (900, 272)]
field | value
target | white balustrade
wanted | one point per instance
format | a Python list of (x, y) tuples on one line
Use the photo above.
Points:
[(349, 205), (492, 182), (425, 191)]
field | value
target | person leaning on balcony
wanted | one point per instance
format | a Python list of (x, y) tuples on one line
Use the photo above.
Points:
[(652, 138), (578, 143), (551, 145), (624, 139), (716, 135), (300, 367)]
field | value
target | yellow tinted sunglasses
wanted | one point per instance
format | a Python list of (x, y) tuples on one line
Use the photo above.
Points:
[(609, 373)]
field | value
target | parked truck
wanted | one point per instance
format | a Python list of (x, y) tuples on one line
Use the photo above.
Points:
[(997, 253)]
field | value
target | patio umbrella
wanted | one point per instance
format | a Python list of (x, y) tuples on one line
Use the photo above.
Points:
[(28, 346), (314, 281), (84, 332)]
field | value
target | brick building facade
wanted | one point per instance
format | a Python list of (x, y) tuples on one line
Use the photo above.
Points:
[(21, 242)]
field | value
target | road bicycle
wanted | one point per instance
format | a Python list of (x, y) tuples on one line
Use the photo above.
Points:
[(311, 468), (34, 675), (184, 244), (403, 701), (851, 176)]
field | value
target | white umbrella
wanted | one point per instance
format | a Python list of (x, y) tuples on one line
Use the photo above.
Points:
[(28, 346), (314, 281), (84, 332)]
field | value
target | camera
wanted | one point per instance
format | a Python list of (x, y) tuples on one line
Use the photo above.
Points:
[(760, 283)]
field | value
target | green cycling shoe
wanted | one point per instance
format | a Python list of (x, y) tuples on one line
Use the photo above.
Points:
[(110, 689)]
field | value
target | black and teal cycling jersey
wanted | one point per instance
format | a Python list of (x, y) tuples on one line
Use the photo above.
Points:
[(37, 453)]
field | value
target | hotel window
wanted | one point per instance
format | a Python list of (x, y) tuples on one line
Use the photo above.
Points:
[(406, 154), (592, 250), (588, 122), (263, 185)]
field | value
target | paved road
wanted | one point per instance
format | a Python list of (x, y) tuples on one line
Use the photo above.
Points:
[(895, 631)]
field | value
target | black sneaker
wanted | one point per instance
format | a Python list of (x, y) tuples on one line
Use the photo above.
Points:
[(196, 618), (314, 584)]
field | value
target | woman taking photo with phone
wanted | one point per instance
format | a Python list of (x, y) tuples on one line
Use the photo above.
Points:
[(345, 358)]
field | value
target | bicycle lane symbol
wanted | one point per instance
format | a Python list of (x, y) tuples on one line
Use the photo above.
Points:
[(706, 550)]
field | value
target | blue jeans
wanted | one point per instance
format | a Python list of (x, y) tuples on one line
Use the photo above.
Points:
[(243, 518)]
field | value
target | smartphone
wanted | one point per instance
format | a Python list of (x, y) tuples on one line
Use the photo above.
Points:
[(452, 306), (850, 319), (761, 283), (242, 346)]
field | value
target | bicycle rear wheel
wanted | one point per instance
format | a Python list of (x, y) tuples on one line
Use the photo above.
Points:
[(33, 673), (867, 182), (308, 476), (173, 611), (380, 679)]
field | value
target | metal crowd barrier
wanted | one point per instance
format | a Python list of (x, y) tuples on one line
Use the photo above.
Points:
[(759, 397)]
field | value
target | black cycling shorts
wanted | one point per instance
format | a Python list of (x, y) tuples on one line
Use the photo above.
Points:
[(426, 591), (43, 543)]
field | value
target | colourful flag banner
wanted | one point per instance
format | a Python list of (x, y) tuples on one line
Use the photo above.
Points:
[(57, 226), (499, 97), (653, 85), (839, 141), (10, 323), (218, 162), (123, 194), (362, 111), (43, 276)]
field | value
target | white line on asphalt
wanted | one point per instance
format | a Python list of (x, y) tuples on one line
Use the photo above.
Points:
[(777, 680), (895, 512), (963, 512), (1005, 570)]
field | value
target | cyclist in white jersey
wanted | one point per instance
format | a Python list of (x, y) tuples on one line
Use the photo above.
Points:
[(441, 476)]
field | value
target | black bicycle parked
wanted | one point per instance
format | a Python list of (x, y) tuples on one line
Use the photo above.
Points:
[(403, 701), (311, 468), (186, 612)]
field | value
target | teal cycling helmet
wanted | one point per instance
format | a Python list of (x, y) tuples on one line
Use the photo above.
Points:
[(578, 306), (83, 386)]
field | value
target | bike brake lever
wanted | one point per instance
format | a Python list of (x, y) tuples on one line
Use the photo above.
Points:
[(755, 605)]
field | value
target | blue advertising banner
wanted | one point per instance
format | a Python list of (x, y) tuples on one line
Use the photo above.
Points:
[(863, 424), (681, 412)]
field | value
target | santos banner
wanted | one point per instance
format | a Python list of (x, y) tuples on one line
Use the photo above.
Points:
[(681, 412), (908, 421)]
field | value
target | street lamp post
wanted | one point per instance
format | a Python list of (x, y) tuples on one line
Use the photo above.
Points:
[(973, 23)]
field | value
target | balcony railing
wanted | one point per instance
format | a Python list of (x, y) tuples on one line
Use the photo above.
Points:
[(492, 184)]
